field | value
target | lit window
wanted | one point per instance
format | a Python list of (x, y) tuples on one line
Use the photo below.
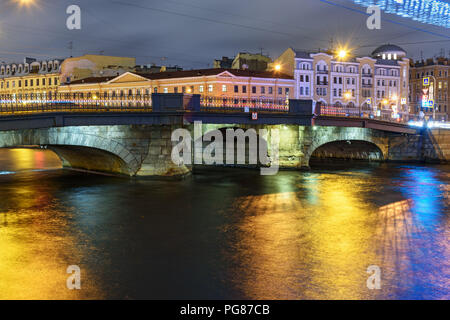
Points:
[(224, 88), (166, 90), (210, 88), (201, 89)]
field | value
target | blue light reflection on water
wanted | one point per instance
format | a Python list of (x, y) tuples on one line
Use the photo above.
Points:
[(425, 11), (427, 234)]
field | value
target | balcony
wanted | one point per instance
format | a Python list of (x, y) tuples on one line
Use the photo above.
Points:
[(367, 75), (322, 72), (365, 85), (322, 83)]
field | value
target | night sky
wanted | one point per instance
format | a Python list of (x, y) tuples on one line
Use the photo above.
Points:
[(192, 33)]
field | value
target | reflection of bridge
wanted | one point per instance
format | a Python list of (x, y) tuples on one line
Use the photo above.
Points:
[(136, 139)]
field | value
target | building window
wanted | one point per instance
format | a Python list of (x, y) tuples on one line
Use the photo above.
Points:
[(263, 90), (224, 88), (236, 89), (270, 90), (175, 90), (253, 89), (301, 91), (280, 90), (201, 89), (307, 91), (244, 89), (166, 90), (210, 88)]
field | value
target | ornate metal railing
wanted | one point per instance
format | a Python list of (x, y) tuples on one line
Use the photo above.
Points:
[(355, 112), (239, 104)]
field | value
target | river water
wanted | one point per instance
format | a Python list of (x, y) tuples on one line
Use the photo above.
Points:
[(224, 234)]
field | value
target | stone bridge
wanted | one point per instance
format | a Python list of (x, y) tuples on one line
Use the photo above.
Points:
[(139, 143), (145, 150)]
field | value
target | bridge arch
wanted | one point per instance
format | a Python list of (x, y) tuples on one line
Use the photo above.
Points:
[(367, 144), (261, 141), (76, 149)]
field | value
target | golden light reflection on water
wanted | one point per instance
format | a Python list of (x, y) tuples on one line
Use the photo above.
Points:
[(318, 251), (319, 243), (28, 159), (36, 242)]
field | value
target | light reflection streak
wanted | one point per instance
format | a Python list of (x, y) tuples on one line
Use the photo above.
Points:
[(286, 243)]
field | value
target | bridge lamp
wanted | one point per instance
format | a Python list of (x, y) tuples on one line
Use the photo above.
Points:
[(278, 67)]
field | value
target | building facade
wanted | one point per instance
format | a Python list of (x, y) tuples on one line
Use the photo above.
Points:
[(367, 85), (437, 73), (214, 83), (33, 81), (29, 81), (244, 61)]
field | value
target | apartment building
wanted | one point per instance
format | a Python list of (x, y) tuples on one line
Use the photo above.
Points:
[(437, 73), (375, 85)]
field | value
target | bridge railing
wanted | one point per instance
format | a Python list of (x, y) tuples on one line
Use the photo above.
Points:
[(382, 115), (113, 104), (232, 104)]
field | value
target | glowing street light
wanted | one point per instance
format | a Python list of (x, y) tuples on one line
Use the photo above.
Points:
[(348, 95), (278, 67), (342, 53), (25, 3)]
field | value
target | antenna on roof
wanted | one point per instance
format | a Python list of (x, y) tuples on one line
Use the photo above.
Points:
[(71, 48)]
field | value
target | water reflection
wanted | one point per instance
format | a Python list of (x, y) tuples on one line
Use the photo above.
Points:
[(426, 11), (229, 234)]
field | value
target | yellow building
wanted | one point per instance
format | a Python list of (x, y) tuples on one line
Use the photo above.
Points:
[(90, 65), (214, 83), (33, 82), (29, 81)]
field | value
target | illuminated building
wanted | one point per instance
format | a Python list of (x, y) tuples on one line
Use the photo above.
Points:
[(435, 70), (206, 82), (35, 81), (376, 85)]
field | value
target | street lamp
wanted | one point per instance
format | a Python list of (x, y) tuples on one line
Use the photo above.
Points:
[(278, 67), (25, 3), (347, 95), (342, 54)]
